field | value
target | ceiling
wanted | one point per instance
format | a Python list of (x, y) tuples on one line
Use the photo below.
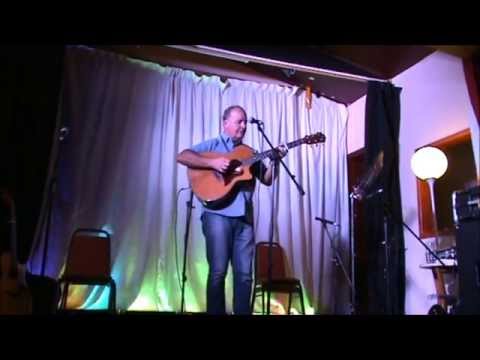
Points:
[(375, 61)]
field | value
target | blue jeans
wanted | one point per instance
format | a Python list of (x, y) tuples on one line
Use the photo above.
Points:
[(228, 239)]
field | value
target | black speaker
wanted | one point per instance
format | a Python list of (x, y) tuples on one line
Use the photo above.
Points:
[(468, 258), (45, 294)]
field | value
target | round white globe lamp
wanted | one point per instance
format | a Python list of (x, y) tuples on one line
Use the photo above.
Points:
[(429, 164)]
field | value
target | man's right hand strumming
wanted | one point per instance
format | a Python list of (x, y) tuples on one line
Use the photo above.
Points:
[(220, 164), (192, 159)]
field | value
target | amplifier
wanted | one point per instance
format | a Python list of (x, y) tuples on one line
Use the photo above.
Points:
[(466, 204), (466, 209)]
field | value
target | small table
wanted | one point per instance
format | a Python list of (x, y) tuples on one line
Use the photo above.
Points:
[(439, 271)]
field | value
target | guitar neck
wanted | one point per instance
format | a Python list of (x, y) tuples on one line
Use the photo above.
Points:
[(13, 232), (265, 154)]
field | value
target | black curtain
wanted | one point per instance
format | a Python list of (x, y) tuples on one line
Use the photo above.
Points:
[(31, 78), (383, 211), (471, 69)]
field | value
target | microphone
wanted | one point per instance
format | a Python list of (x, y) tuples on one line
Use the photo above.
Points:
[(64, 131), (325, 221), (378, 191), (255, 121)]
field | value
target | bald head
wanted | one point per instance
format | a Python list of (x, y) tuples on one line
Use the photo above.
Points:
[(235, 122)]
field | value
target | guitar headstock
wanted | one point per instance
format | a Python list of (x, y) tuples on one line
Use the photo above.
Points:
[(314, 138), (6, 196)]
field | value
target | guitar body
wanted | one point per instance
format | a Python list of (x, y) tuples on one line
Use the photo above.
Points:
[(15, 299), (215, 189)]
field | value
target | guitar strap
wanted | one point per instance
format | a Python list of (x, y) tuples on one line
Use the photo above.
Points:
[(224, 143)]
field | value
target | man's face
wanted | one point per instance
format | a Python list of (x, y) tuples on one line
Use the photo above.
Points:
[(235, 125)]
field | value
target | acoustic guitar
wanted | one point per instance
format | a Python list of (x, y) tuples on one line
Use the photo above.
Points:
[(215, 189), (15, 298)]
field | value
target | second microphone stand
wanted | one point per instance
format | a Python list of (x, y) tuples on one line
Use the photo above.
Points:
[(387, 216), (185, 248), (336, 255)]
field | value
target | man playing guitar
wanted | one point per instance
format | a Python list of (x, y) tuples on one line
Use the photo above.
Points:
[(227, 222)]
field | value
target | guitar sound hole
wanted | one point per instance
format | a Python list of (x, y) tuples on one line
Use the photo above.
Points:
[(231, 171), (232, 168)]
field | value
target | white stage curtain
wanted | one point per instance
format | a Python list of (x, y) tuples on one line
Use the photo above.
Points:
[(127, 120)]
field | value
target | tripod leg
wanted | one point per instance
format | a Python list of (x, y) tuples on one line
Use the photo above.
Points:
[(338, 262), (252, 305), (263, 301), (289, 302), (300, 292), (387, 269)]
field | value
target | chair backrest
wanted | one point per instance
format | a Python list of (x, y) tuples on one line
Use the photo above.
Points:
[(89, 254), (261, 261)]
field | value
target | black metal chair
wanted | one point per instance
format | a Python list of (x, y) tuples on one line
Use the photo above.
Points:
[(88, 263), (280, 282)]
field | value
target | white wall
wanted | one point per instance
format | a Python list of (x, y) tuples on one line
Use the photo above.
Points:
[(434, 104), (356, 125)]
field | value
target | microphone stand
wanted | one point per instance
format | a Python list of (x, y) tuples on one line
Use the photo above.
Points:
[(51, 194), (185, 247), (63, 133), (418, 239), (352, 197), (388, 215), (336, 256), (272, 223)]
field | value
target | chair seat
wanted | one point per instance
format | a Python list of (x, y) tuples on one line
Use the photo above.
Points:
[(286, 285), (86, 280)]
